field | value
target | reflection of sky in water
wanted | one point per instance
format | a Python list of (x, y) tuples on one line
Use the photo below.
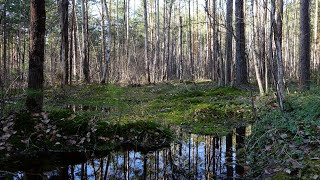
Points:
[(201, 157)]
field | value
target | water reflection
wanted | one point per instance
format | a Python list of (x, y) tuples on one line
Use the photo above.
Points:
[(191, 157)]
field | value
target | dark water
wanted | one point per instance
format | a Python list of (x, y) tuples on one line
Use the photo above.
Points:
[(191, 157)]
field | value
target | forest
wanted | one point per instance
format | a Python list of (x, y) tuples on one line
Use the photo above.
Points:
[(159, 89)]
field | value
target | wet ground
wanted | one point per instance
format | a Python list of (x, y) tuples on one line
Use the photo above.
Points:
[(190, 156)]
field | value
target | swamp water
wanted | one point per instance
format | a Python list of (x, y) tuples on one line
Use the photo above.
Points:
[(191, 156)]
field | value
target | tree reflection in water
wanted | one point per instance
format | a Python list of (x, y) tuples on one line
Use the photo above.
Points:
[(191, 157)]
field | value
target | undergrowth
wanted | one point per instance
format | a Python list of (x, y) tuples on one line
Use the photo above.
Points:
[(286, 144)]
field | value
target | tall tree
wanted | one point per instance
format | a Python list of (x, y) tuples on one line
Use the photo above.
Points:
[(85, 58), (279, 80), (304, 47), (106, 40), (241, 62), (4, 45), (64, 48), (180, 50), (228, 42), (146, 56), (254, 57), (34, 100), (190, 43)]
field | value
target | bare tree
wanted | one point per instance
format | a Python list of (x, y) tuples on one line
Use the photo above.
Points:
[(304, 48), (146, 56), (241, 62), (279, 80), (64, 48), (255, 61), (85, 58), (106, 40), (228, 42), (180, 50), (34, 100)]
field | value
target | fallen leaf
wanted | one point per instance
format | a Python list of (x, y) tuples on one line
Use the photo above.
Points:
[(283, 136), (288, 171), (5, 129)]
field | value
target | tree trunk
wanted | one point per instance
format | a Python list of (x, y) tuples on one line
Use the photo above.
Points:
[(146, 57), (167, 73), (241, 62), (105, 36), (255, 61), (315, 51), (34, 100), (85, 60), (191, 45), (64, 4), (304, 48), (228, 42), (4, 46), (180, 50), (277, 39)]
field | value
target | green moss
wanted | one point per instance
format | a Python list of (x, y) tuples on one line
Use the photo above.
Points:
[(24, 123), (225, 91), (281, 176), (207, 113), (59, 114)]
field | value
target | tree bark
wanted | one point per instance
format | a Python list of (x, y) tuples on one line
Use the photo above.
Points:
[(106, 35), (4, 46), (34, 100), (304, 48), (191, 45), (180, 50), (255, 61), (146, 50), (64, 4), (85, 60), (228, 42), (280, 76), (241, 62)]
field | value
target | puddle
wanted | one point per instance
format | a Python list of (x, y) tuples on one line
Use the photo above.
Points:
[(191, 157)]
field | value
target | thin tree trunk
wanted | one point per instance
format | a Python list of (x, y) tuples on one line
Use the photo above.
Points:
[(255, 61), (146, 56), (180, 50), (85, 61), (228, 42), (316, 56), (4, 46), (190, 44)]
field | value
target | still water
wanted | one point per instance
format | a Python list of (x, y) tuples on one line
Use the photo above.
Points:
[(191, 156)]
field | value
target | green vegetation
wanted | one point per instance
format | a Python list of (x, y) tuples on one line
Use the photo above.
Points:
[(97, 117), (200, 107), (286, 144), (283, 145)]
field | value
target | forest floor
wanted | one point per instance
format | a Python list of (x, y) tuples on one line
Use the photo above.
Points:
[(108, 117)]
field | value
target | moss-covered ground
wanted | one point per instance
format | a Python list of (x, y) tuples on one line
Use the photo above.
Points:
[(105, 117), (286, 145), (201, 108), (283, 145)]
